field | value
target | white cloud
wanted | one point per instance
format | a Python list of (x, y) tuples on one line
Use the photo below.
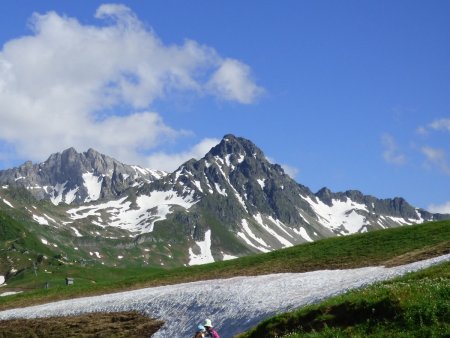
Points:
[(440, 208), (290, 170), (391, 153), (232, 82), (63, 85), (441, 124), (169, 162), (437, 157)]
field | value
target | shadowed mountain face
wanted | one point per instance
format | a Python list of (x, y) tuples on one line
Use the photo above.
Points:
[(230, 203)]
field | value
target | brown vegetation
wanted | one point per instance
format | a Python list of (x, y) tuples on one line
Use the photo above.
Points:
[(119, 324)]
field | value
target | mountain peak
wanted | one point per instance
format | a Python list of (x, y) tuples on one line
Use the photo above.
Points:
[(232, 144), (70, 150)]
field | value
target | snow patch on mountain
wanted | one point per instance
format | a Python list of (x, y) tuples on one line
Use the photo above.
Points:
[(250, 238), (261, 182), (150, 208), (7, 203), (221, 191), (57, 193), (93, 186), (205, 255), (341, 217), (249, 232), (285, 243), (40, 220), (77, 233), (71, 195), (302, 232)]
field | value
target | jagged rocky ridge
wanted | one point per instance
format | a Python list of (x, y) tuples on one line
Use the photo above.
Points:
[(231, 202), (71, 177)]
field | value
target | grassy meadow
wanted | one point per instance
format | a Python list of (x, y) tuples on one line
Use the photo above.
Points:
[(384, 247)]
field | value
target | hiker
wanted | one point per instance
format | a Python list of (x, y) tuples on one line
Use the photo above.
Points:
[(200, 331), (210, 332)]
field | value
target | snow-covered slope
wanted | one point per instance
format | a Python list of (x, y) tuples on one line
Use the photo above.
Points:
[(234, 304)]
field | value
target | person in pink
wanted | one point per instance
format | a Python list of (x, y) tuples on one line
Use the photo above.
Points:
[(210, 331)]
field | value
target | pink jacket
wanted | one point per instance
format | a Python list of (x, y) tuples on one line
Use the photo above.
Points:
[(213, 333)]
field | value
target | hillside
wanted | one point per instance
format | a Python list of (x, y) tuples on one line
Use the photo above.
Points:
[(263, 294), (384, 247)]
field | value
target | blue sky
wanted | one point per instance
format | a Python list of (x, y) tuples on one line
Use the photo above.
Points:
[(348, 95)]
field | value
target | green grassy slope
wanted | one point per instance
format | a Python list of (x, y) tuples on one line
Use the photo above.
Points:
[(394, 246), (415, 305)]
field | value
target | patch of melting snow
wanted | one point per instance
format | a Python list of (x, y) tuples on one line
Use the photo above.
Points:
[(57, 194), (340, 214), (302, 232), (280, 238), (234, 304), (93, 186), (9, 293), (7, 203), (151, 208), (261, 182), (77, 233), (40, 220), (205, 255)]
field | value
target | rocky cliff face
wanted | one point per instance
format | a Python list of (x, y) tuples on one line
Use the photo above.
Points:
[(72, 177)]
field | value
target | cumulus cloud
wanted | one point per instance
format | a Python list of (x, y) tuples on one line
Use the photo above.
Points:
[(391, 153), (440, 208), (64, 84), (439, 125), (288, 169), (170, 162), (232, 82), (437, 157)]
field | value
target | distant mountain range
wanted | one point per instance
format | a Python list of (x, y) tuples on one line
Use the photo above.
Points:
[(92, 208)]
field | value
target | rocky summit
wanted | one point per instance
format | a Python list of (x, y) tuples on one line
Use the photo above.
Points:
[(91, 208)]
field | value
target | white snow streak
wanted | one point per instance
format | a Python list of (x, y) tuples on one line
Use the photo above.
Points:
[(8, 204), (198, 186), (205, 255), (302, 232), (234, 304), (228, 257), (281, 239), (249, 232), (220, 190), (2, 280), (77, 233), (262, 183)]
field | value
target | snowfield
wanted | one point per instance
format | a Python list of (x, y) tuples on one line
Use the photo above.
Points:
[(234, 305)]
